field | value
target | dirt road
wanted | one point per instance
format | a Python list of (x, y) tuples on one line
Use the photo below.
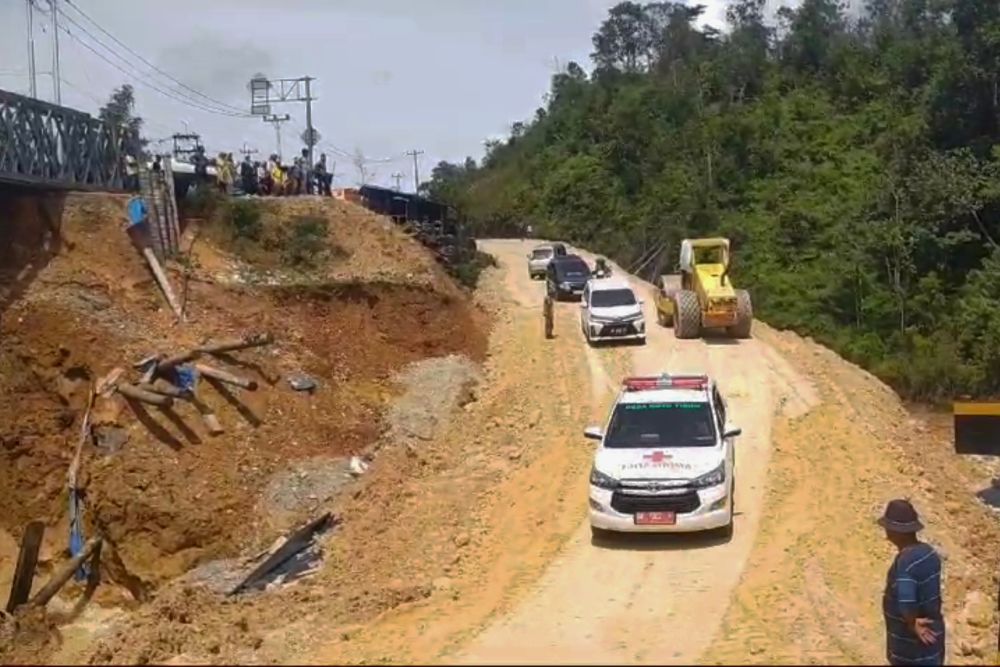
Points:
[(608, 603), (824, 446)]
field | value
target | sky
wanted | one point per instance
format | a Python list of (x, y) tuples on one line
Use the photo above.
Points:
[(438, 76)]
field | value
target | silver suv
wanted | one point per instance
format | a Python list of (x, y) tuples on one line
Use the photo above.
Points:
[(538, 260)]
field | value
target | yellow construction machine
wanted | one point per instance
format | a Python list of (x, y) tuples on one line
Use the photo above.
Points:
[(701, 295)]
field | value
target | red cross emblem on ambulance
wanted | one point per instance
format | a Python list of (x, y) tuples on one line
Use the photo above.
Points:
[(657, 457)]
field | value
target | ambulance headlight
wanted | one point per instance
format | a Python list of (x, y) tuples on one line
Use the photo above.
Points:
[(713, 478), (602, 481)]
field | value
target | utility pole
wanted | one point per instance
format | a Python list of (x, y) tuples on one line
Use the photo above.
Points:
[(277, 120), (56, 74), (30, 5), (398, 177), (416, 171), (264, 92), (309, 123), (246, 151)]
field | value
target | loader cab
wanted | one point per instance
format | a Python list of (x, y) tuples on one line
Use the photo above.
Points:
[(712, 254)]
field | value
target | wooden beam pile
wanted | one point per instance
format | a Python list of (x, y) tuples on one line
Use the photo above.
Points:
[(161, 382)]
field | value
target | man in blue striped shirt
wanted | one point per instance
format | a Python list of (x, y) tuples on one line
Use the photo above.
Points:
[(914, 626)]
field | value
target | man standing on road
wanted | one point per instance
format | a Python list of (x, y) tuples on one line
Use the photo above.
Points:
[(547, 309), (911, 604)]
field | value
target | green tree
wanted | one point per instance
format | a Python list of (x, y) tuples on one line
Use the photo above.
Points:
[(119, 113), (854, 162)]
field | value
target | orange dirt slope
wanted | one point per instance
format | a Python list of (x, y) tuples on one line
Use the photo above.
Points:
[(76, 300)]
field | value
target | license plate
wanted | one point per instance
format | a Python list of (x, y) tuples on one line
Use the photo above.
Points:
[(616, 331), (655, 518)]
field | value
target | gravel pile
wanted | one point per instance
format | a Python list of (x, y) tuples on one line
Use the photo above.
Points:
[(434, 389)]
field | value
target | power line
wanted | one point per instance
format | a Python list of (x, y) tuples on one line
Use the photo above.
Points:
[(135, 74), (350, 155), (131, 75), (212, 100), (82, 91)]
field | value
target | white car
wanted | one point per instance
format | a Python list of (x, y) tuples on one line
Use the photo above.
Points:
[(666, 459), (610, 310), (538, 261)]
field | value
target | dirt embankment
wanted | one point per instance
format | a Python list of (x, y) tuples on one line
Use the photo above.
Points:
[(811, 591), (165, 493)]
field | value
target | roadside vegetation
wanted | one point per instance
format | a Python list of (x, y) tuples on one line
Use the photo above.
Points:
[(468, 270), (852, 158), (262, 238)]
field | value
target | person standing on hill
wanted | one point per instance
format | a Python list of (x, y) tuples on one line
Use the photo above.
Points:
[(323, 177), (911, 604), (547, 308), (200, 162), (248, 176)]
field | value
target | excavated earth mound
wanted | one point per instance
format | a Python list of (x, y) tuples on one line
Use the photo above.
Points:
[(77, 300)]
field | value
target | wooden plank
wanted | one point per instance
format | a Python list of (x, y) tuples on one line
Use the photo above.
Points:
[(133, 392), (256, 340), (165, 388), (27, 559), (296, 542), (171, 193), (228, 378), (59, 579), (163, 282)]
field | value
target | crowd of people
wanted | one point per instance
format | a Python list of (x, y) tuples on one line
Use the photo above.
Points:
[(267, 178)]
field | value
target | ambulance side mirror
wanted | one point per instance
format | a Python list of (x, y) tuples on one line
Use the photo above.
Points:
[(593, 433), (732, 431)]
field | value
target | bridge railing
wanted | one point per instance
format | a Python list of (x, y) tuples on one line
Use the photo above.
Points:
[(46, 145)]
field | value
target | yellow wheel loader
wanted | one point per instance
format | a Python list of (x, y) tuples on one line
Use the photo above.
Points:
[(701, 295)]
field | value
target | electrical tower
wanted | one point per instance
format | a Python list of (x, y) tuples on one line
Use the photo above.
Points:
[(416, 172), (276, 120), (398, 177)]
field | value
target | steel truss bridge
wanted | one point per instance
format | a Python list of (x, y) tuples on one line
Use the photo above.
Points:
[(46, 146)]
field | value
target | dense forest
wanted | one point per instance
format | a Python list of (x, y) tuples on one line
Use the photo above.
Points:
[(852, 156)]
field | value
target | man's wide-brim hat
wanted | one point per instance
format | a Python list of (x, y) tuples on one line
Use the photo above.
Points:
[(900, 517)]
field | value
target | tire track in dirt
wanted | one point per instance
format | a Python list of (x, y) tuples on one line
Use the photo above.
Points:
[(649, 598)]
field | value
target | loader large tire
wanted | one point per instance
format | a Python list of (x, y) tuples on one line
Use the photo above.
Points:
[(744, 315), (687, 314)]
